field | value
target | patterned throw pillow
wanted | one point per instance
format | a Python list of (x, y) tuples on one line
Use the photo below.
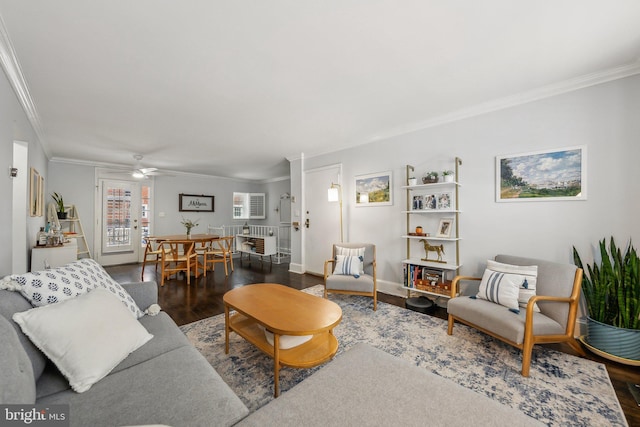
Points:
[(348, 265), (351, 252), (509, 285), (71, 280)]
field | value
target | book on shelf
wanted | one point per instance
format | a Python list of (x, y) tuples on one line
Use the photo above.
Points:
[(423, 276)]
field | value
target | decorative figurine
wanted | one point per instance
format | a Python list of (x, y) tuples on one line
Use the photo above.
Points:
[(439, 250)]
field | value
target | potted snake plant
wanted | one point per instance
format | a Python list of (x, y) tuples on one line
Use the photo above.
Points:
[(611, 288)]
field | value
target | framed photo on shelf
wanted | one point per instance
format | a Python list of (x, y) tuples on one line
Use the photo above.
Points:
[(374, 189), (418, 203), (559, 174), (444, 201), (444, 229), (430, 201)]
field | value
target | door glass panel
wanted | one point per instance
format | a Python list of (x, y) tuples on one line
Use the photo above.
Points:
[(145, 213), (116, 211)]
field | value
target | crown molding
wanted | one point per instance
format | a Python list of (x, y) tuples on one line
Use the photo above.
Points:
[(548, 91), (126, 168), (13, 71)]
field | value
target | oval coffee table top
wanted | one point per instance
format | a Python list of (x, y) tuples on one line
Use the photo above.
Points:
[(284, 310)]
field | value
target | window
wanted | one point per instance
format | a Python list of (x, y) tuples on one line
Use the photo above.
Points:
[(249, 206)]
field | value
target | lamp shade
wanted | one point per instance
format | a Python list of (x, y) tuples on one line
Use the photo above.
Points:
[(332, 194)]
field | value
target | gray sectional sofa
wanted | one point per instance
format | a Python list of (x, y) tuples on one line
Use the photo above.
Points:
[(166, 381)]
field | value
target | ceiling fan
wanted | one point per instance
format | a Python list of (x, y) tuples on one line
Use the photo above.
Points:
[(142, 173)]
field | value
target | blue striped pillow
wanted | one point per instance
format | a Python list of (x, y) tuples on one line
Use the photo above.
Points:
[(500, 288), (348, 265)]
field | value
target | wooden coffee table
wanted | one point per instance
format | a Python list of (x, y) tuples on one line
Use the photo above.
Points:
[(283, 311)]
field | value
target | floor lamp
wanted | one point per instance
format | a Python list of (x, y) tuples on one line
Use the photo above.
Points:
[(334, 194)]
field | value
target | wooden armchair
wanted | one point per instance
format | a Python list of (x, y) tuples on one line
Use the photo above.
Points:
[(178, 255), (339, 283), (152, 254), (219, 251), (557, 296)]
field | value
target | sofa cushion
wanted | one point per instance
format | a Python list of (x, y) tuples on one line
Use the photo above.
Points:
[(490, 316), (66, 282), (86, 337), (177, 388), (166, 337), (17, 383), (363, 283), (14, 302)]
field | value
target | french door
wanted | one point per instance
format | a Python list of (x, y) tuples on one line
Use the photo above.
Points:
[(119, 222)]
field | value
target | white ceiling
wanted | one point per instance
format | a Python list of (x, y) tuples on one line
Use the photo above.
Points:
[(232, 88)]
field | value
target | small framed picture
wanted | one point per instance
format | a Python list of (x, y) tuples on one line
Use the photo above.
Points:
[(444, 229), (418, 203), (444, 201), (430, 201)]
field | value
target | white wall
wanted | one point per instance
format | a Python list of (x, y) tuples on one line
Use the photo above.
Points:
[(603, 117), (14, 125)]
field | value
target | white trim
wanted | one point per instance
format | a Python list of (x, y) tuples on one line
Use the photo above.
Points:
[(547, 91), (391, 288), (296, 268), (12, 69)]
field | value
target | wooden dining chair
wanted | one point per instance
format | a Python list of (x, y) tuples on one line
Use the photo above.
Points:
[(177, 256), (152, 254), (220, 251)]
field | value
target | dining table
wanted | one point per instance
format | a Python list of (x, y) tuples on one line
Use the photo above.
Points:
[(196, 238)]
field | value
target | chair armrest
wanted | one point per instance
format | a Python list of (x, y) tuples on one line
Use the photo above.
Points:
[(532, 301), (326, 264), (454, 284), (143, 293)]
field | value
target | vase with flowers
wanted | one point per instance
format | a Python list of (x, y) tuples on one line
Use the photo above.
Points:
[(189, 224)]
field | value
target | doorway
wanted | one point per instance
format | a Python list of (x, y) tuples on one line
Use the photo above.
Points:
[(322, 218), (19, 202), (119, 231)]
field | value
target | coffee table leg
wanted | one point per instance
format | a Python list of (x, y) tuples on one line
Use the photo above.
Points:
[(226, 329), (276, 365)]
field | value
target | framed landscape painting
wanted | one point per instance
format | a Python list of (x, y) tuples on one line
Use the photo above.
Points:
[(559, 174), (374, 189)]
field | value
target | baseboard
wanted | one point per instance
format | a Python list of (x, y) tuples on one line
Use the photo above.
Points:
[(391, 288), (296, 268)]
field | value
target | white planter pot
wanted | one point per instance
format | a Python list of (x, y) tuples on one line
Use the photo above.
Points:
[(448, 178), (412, 181)]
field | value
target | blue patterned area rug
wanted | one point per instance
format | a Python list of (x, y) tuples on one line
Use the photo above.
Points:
[(562, 390)]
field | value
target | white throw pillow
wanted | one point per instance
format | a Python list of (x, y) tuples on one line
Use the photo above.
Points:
[(76, 278), (86, 337), (351, 252), (499, 288), (526, 276), (348, 265), (286, 341)]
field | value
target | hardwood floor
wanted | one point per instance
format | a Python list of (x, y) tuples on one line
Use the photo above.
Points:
[(203, 298)]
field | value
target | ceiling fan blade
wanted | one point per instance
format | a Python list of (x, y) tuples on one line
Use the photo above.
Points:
[(146, 171)]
